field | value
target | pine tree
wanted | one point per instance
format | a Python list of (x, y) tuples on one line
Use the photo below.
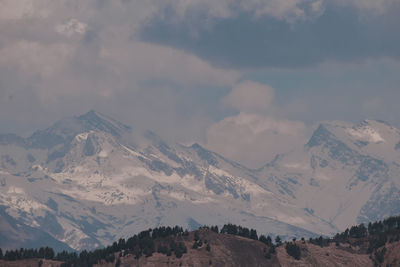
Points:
[(253, 234), (278, 240), (293, 250), (214, 229)]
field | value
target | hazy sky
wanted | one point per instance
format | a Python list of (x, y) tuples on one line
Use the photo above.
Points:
[(247, 78)]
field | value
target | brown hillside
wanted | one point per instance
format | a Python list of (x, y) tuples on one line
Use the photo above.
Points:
[(231, 250), (30, 263), (313, 255), (225, 250)]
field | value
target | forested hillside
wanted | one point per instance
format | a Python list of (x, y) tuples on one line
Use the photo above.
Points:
[(375, 244)]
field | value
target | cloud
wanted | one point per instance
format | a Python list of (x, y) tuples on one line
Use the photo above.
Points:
[(175, 66), (12, 10), (253, 139), (254, 136), (287, 10), (290, 10), (102, 54), (60, 58), (377, 7), (71, 27), (146, 61), (249, 96), (301, 34)]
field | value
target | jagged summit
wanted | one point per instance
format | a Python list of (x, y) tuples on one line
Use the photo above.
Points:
[(94, 120), (367, 132), (66, 129), (320, 135)]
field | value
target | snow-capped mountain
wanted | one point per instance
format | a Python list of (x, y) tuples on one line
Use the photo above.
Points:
[(345, 174), (88, 180)]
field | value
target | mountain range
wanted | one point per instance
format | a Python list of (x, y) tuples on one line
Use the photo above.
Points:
[(88, 180)]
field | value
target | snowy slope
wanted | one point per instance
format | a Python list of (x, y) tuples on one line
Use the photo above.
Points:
[(345, 174), (88, 180)]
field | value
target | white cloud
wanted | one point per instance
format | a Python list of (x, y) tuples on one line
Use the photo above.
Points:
[(61, 58), (254, 136), (66, 69), (253, 139), (317, 6), (19, 9), (102, 62), (145, 62), (250, 96), (71, 27), (32, 60)]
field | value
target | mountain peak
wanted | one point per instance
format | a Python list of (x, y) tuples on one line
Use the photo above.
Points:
[(319, 136), (94, 120), (367, 131), (90, 114), (63, 131)]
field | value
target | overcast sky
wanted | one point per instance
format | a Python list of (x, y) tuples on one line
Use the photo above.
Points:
[(246, 78)]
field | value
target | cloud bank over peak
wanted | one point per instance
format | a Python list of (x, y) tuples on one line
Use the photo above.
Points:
[(253, 139), (254, 136)]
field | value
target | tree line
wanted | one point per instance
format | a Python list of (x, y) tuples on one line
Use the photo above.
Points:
[(376, 234), (143, 243), (19, 254)]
